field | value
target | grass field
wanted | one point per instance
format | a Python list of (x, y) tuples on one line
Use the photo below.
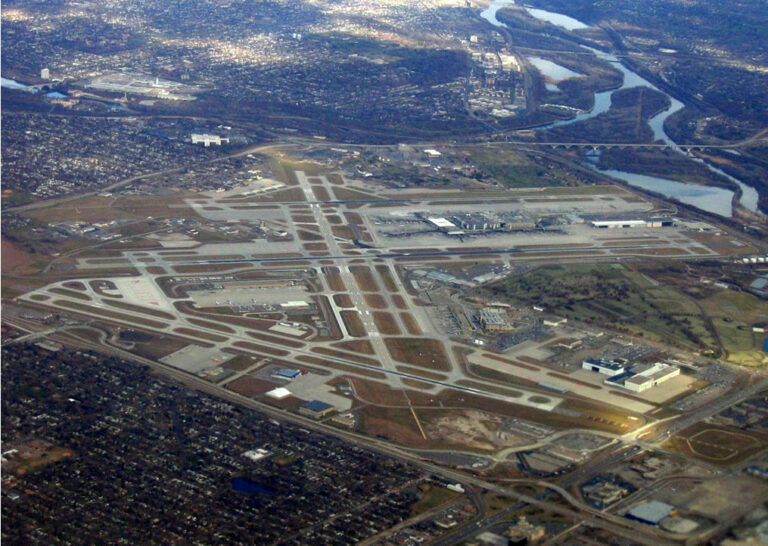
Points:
[(717, 444), (421, 352), (624, 299)]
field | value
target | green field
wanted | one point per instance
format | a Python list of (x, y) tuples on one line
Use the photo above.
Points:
[(620, 298)]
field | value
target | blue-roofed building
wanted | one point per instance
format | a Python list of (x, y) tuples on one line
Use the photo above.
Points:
[(316, 409), (603, 366), (287, 373)]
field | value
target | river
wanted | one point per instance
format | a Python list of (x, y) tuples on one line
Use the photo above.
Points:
[(708, 198)]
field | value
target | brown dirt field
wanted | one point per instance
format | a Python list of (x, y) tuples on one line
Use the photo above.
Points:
[(199, 334), (250, 386), (341, 367), (338, 354), (15, 260), (356, 346), (422, 352), (261, 349), (353, 218), (335, 179), (305, 235), (139, 309), (414, 384), (343, 300), (411, 324), (239, 363), (306, 218), (378, 393), (395, 424), (205, 268), (422, 373), (399, 302), (212, 325), (386, 277), (375, 301), (353, 323), (97, 313), (315, 246), (321, 194), (156, 270), (347, 194), (161, 346), (386, 323), (333, 277), (276, 340), (345, 232), (70, 293), (716, 444), (364, 278), (513, 362), (334, 219)]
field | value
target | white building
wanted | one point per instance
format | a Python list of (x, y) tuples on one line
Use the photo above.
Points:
[(603, 366)]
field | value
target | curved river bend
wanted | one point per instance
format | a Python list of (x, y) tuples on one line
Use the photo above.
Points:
[(708, 198)]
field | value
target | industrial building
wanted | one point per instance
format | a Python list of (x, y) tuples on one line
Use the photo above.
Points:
[(493, 320), (652, 512), (286, 373), (655, 222), (603, 366), (644, 376), (316, 409)]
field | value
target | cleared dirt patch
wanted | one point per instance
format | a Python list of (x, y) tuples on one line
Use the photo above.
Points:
[(338, 366), (399, 302), (96, 313), (198, 334), (305, 235), (260, 348), (315, 246), (411, 324), (353, 323), (334, 219), (345, 232), (345, 356), (321, 194), (334, 279), (250, 386), (386, 323), (375, 301), (70, 293), (364, 278), (356, 346), (343, 300), (212, 325), (418, 351), (276, 340), (353, 218), (386, 277)]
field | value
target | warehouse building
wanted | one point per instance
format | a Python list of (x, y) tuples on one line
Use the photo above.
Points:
[(651, 513), (644, 376), (493, 320), (603, 366), (316, 409)]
